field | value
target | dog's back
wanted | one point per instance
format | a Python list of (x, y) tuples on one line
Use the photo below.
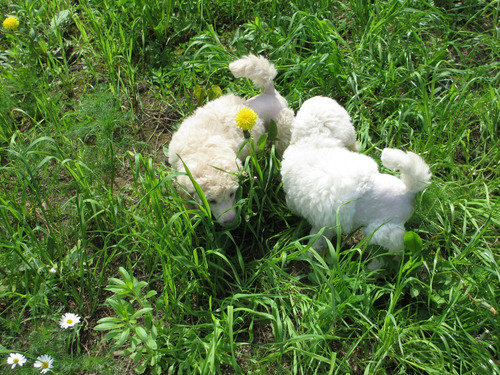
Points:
[(318, 181), (214, 121)]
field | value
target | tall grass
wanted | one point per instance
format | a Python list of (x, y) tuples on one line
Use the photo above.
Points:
[(85, 192)]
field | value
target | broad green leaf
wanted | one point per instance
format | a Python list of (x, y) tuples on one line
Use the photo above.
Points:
[(141, 333), (59, 18), (141, 312), (261, 143), (413, 243), (122, 338), (214, 92), (108, 323), (151, 343), (272, 131), (200, 94)]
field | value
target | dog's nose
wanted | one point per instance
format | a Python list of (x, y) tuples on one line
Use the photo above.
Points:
[(227, 217)]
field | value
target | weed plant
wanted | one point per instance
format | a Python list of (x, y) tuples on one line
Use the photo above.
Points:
[(91, 221)]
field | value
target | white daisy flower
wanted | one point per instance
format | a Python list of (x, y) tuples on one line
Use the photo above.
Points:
[(16, 359), (69, 320), (45, 362)]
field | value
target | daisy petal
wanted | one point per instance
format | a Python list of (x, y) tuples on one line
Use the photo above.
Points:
[(45, 363), (16, 359), (69, 320)]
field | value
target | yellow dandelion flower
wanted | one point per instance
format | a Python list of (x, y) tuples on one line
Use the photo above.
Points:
[(10, 23), (246, 119)]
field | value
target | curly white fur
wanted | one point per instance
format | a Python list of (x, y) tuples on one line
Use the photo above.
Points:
[(208, 142), (324, 180), (257, 68)]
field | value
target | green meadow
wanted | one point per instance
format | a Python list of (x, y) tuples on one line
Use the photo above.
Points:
[(91, 222)]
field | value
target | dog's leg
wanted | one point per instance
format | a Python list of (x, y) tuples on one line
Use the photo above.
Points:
[(390, 236), (318, 243), (284, 127)]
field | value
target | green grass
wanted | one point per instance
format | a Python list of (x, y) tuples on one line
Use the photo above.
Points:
[(91, 90)]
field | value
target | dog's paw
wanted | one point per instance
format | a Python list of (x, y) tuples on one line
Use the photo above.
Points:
[(375, 265)]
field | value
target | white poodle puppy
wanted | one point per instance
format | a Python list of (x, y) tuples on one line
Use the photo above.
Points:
[(209, 143), (325, 179)]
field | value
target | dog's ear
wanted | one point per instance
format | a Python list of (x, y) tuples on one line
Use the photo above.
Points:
[(225, 164), (192, 167), (184, 186)]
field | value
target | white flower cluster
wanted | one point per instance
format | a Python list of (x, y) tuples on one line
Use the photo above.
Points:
[(44, 362)]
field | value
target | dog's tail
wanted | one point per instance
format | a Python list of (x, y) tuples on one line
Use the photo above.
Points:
[(415, 172), (257, 68)]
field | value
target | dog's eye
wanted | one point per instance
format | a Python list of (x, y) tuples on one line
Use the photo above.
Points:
[(231, 195), (212, 201)]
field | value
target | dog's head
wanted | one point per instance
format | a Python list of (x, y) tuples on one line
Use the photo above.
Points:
[(323, 118), (219, 182)]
